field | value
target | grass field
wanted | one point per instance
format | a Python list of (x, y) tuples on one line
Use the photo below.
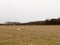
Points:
[(30, 35)]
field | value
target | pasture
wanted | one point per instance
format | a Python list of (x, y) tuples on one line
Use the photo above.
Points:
[(30, 35)]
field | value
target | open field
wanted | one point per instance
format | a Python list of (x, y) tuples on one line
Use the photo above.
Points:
[(30, 35)]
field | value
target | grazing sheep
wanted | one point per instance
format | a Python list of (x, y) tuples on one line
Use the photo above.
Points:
[(23, 28), (18, 29)]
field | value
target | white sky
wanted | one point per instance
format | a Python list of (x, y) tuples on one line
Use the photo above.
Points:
[(28, 10)]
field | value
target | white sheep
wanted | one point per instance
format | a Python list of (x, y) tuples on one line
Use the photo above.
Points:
[(18, 29), (21, 28)]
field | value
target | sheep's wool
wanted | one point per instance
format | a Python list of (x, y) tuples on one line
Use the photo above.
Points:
[(18, 29)]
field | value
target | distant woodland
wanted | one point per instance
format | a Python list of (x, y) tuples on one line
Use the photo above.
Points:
[(46, 22)]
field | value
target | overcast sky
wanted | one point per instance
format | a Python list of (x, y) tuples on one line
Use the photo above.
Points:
[(28, 10)]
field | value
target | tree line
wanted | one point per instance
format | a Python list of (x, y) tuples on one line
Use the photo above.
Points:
[(46, 22)]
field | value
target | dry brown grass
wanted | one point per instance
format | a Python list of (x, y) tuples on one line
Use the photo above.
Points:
[(30, 35)]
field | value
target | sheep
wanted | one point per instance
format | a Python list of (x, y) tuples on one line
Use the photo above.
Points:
[(21, 28), (18, 29)]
